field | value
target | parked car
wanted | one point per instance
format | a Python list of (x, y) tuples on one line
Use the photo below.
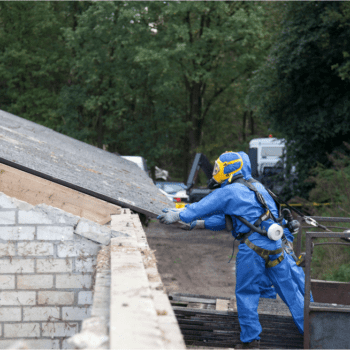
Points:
[(176, 190)]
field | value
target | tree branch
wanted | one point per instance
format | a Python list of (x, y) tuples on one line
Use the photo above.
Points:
[(218, 92)]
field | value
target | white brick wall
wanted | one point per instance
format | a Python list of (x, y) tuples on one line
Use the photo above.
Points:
[(7, 249), (16, 265), (22, 330), (55, 298), (34, 281), (34, 248), (7, 282), (17, 233), (73, 281), (85, 298), (59, 329), (33, 343), (57, 233), (85, 264), (17, 298), (75, 313), (10, 314), (54, 265), (41, 313), (46, 273), (7, 217)]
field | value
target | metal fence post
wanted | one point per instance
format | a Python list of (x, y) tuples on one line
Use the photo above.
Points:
[(298, 248), (307, 291)]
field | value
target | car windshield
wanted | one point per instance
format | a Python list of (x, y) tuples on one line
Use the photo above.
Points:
[(173, 188), (271, 151)]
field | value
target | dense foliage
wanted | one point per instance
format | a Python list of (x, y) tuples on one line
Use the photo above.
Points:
[(164, 80), (303, 87), (158, 79), (332, 187)]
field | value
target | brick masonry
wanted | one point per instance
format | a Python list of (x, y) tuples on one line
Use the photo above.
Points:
[(47, 265)]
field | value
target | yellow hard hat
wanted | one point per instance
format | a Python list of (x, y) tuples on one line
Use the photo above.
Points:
[(228, 164)]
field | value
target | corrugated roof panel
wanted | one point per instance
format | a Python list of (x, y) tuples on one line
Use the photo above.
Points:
[(78, 165)]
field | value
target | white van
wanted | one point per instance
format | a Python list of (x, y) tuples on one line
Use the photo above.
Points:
[(264, 154), (139, 161), (142, 164)]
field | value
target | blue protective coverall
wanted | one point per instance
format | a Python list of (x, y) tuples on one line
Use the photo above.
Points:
[(237, 199), (217, 223)]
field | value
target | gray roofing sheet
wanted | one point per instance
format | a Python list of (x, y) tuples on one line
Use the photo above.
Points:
[(78, 165)]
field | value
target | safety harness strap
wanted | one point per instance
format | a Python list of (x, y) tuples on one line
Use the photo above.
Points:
[(264, 253), (259, 196)]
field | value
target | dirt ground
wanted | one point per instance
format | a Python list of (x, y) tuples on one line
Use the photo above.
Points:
[(194, 261)]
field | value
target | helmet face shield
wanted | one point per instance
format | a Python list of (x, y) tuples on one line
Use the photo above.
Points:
[(216, 168), (232, 166)]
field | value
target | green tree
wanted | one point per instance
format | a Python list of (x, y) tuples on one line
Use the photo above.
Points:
[(302, 88), (34, 62), (204, 48), (113, 100)]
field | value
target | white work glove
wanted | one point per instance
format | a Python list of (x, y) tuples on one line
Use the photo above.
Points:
[(197, 224), (170, 216)]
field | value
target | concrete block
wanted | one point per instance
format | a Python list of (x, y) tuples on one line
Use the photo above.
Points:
[(17, 233), (6, 202), (32, 343), (93, 231), (16, 265), (59, 329), (34, 281), (55, 298), (73, 281), (7, 217), (80, 247), (58, 233), (83, 264), (94, 335), (7, 249), (54, 265), (35, 248), (44, 214), (10, 314), (17, 298), (7, 282), (41, 313), (21, 330), (115, 233), (85, 298), (75, 313)]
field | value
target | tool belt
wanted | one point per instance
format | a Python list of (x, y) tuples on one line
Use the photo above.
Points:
[(264, 253)]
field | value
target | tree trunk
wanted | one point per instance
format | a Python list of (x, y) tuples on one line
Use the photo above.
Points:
[(196, 118), (252, 131), (244, 125)]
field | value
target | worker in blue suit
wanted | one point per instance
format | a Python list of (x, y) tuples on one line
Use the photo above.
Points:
[(217, 223), (260, 251)]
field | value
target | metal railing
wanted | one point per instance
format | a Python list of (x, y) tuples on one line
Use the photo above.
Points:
[(319, 219), (323, 313)]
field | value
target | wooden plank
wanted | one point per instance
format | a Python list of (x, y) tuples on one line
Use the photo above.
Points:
[(36, 190), (202, 296), (232, 306), (222, 305), (192, 300)]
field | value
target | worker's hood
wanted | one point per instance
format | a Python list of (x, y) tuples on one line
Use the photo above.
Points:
[(246, 170)]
